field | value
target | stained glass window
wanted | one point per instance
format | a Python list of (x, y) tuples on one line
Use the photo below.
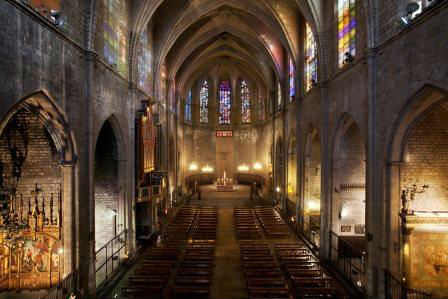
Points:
[(346, 29), (203, 101), (225, 91), (144, 63), (292, 85), (188, 106), (115, 28), (310, 59), (245, 103), (279, 96)]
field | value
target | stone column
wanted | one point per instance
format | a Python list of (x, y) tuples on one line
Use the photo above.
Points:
[(69, 214), (87, 187), (406, 234), (375, 233)]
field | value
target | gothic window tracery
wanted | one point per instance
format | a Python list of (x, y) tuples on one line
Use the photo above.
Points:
[(225, 100), (245, 102), (188, 106), (292, 86), (346, 30), (310, 59), (203, 101)]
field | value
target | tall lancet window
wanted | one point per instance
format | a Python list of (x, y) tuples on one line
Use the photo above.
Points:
[(188, 106), (203, 102), (310, 59), (225, 100), (346, 30), (292, 85), (245, 103)]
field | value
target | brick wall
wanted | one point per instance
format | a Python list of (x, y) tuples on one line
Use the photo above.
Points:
[(426, 161), (36, 149), (352, 178), (106, 185)]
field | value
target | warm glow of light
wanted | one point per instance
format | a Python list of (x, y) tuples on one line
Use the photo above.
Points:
[(313, 205), (257, 166), (207, 169), (243, 168), (193, 166), (432, 214), (61, 250), (278, 189), (406, 249), (344, 212)]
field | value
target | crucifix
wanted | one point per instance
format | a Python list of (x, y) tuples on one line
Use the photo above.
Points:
[(36, 192)]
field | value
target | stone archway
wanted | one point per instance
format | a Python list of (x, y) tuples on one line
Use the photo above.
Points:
[(37, 154), (416, 167), (110, 197), (311, 211), (348, 200)]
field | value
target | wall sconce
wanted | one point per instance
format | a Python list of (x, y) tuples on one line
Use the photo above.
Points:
[(313, 205), (278, 189), (257, 166), (193, 167), (243, 168), (343, 213), (207, 169), (348, 58), (57, 18), (440, 261)]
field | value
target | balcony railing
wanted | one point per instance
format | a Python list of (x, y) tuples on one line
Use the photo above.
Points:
[(64, 289), (351, 263), (396, 289), (107, 258), (110, 256)]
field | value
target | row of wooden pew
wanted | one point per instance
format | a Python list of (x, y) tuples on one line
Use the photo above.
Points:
[(264, 278), (246, 224), (180, 226), (153, 273), (207, 224), (304, 273), (195, 272), (272, 223)]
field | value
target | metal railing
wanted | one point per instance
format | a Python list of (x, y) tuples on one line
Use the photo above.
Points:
[(69, 285), (351, 264), (311, 228), (396, 289), (107, 260), (110, 256)]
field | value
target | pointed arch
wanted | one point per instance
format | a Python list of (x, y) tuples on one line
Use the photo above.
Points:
[(52, 117)]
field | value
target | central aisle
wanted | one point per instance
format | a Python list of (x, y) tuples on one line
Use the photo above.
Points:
[(228, 281)]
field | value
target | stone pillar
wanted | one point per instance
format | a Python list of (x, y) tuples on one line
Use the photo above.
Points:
[(69, 214), (406, 233), (375, 233), (87, 188), (325, 177)]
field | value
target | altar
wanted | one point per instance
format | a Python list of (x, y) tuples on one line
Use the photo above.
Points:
[(224, 184)]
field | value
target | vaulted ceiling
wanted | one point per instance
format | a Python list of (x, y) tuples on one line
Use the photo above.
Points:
[(194, 36)]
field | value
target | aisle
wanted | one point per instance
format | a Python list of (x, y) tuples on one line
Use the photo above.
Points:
[(228, 280)]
